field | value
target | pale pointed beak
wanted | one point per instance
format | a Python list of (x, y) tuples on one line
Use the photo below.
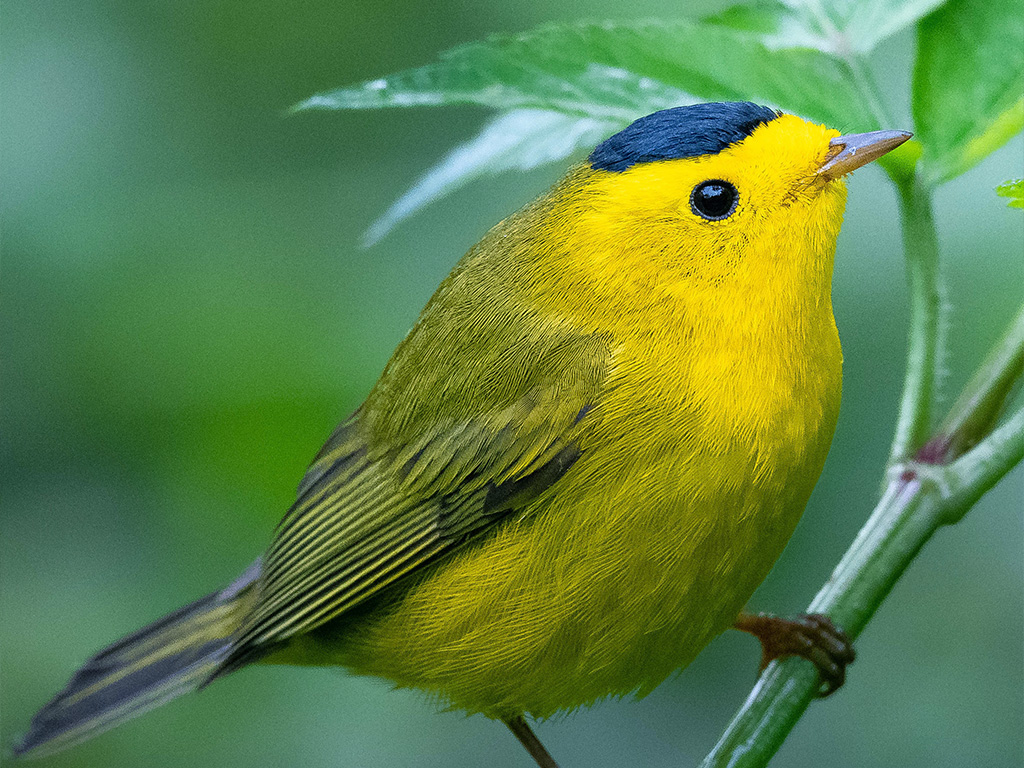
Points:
[(849, 152)]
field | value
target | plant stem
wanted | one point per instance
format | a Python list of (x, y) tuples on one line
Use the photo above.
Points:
[(975, 412), (921, 246), (980, 469)]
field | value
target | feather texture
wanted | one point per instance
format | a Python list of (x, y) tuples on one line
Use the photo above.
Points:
[(373, 508), (172, 656)]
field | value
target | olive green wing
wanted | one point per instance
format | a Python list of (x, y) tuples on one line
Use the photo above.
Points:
[(394, 490)]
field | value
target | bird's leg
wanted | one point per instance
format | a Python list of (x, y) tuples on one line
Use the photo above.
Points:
[(522, 731), (811, 636)]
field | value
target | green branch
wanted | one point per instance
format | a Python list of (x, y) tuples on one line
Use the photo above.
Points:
[(975, 412), (920, 244), (920, 497), (979, 470)]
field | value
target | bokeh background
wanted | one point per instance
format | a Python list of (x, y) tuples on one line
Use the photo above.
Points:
[(186, 313)]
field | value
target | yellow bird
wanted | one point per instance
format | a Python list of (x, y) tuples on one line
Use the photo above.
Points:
[(581, 461)]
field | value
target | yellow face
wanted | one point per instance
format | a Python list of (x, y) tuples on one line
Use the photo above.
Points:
[(756, 217)]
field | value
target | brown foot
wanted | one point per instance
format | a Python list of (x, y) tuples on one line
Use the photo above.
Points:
[(522, 731), (811, 636)]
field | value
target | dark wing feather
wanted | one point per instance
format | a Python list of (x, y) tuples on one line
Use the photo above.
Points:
[(373, 508)]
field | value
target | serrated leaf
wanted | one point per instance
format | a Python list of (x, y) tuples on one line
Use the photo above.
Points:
[(838, 27), (968, 83), (552, 68), (517, 140), (528, 71), (1013, 189)]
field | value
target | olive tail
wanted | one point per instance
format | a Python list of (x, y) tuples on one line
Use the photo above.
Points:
[(172, 656)]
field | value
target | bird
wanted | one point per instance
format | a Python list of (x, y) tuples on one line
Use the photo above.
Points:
[(579, 463)]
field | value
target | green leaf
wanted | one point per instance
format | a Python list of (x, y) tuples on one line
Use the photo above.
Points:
[(565, 87), (838, 27), (552, 68), (517, 140), (616, 71), (1013, 189), (865, 24), (968, 83)]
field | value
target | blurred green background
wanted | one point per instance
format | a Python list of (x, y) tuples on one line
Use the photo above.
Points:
[(186, 314)]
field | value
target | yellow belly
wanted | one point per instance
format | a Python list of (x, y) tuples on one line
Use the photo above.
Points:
[(605, 592)]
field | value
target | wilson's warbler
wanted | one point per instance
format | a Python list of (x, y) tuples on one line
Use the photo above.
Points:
[(580, 462)]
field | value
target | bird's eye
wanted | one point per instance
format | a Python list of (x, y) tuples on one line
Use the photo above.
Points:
[(714, 200)]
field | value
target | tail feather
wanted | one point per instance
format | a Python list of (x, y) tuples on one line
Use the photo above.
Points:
[(171, 656)]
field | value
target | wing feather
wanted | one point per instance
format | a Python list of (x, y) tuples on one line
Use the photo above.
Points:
[(377, 504)]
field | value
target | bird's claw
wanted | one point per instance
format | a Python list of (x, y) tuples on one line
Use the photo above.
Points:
[(811, 636), (827, 647)]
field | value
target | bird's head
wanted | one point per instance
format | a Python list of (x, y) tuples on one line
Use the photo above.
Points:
[(695, 200)]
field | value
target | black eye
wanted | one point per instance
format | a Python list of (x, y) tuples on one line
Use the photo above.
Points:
[(714, 200)]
